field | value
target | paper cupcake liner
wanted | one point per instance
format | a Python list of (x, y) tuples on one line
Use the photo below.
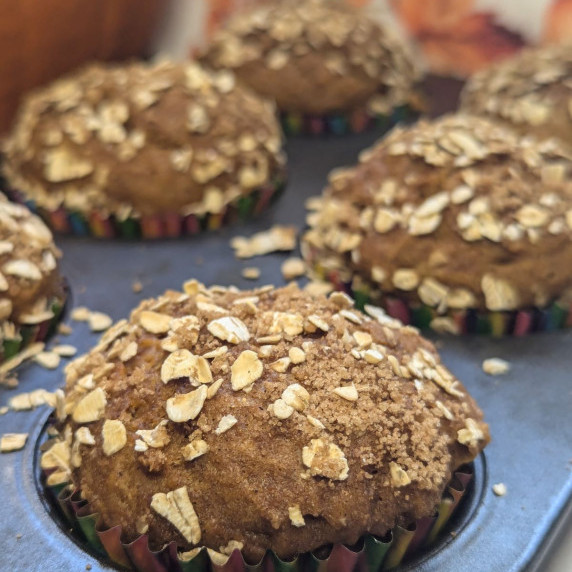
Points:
[(556, 316), (170, 225), (355, 121), (371, 554), (26, 335)]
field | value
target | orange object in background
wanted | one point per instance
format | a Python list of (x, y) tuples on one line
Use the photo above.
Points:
[(42, 39), (558, 25), (453, 37)]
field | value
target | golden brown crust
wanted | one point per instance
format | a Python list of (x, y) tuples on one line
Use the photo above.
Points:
[(29, 276), (352, 430), (316, 57), (531, 92), (140, 139), (457, 213)]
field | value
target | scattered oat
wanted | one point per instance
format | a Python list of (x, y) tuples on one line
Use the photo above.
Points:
[(326, 460), (176, 507), (214, 387), (229, 329), (98, 321), (318, 322), (4, 409), (64, 329), (114, 436), (246, 369), (20, 358), (182, 363), (137, 286), (65, 350), (251, 273), (293, 268), (154, 322), (499, 489), (129, 352), (195, 449), (157, 437), (296, 517), (281, 365), (281, 409), (49, 360), (278, 238), (296, 396), (297, 355), (186, 406), (12, 442), (470, 434), (315, 422), (349, 392), (399, 476), (496, 366), (90, 407), (225, 424), (80, 314)]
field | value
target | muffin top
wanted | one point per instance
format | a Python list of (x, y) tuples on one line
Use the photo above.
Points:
[(264, 419), (140, 139), (455, 213), (532, 92), (29, 277), (316, 56)]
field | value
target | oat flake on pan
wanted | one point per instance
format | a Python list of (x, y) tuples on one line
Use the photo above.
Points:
[(277, 238)]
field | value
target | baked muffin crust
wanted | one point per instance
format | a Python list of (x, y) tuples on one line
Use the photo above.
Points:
[(316, 57), (140, 139), (287, 422), (29, 276), (531, 92), (455, 213)]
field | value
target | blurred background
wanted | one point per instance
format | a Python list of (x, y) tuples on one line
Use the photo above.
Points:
[(40, 40)]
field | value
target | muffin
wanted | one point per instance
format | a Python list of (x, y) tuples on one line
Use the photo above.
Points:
[(139, 150), (456, 224), (531, 92), (31, 288), (328, 66), (264, 420)]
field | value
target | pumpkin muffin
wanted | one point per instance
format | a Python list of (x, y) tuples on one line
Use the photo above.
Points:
[(329, 67), (138, 149), (261, 420), (531, 92), (458, 224), (31, 288)]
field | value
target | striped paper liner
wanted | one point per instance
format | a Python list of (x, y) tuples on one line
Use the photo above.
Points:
[(343, 123), (370, 554), (169, 225)]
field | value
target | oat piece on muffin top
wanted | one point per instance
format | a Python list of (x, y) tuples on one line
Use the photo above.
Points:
[(139, 139), (29, 277), (455, 213), (262, 419), (531, 92), (316, 57)]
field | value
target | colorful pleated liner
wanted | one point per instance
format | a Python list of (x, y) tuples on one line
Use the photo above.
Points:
[(355, 121), (168, 225), (371, 554), (26, 334), (556, 316)]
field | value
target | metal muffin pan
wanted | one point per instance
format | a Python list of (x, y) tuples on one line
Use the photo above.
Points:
[(528, 409)]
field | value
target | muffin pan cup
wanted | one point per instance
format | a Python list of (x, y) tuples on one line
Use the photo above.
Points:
[(99, 224), (556, 316), (371, 554)]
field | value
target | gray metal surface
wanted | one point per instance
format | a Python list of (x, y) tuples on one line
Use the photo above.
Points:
[(529, 409)]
